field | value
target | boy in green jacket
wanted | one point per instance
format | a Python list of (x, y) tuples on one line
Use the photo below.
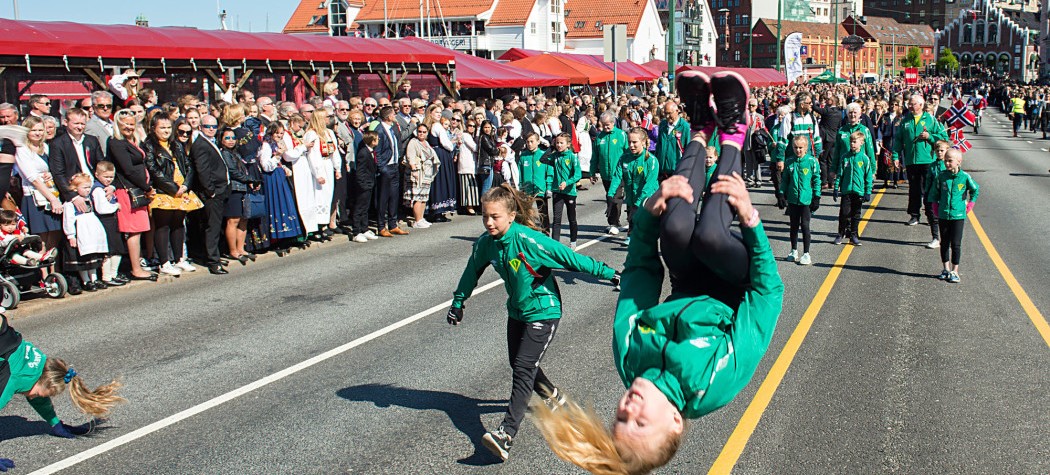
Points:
[(523, 257), (24, 369), (693, 353), (609, 147), (853, 181), (952, 195), (800, 185), (637, 173), (537, 177), (566, 174)]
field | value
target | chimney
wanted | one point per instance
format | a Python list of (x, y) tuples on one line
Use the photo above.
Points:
[(141, 20)]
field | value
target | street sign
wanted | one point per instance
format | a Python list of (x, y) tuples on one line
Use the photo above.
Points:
[(614, 39), (853, 43), (911, 76)]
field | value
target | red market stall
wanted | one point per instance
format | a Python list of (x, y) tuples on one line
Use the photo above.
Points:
[(576, 73), (475, 72), (755, 77), (624, 69)]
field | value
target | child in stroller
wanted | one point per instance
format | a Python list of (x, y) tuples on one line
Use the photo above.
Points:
[(18, 246)]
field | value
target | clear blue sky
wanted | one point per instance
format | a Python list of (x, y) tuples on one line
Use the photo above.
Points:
[(244, 15)]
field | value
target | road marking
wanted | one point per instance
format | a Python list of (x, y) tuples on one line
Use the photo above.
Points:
[(749, 421), (1034, 315), (211, 403), (1029, 141)]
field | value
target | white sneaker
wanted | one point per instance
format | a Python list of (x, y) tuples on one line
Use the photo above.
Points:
[(186, 266), (422, 224), (572, 245), (792, 256), (934, 244), (370, 235), (805, 260), (361, 238), (614, 230), (170, 269)]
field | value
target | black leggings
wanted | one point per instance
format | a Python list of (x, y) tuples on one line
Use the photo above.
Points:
[(526, 344), (702, 255), (951, 235), (569, 203), (545, 216), (800, 216), (169, 230), (850, 207)]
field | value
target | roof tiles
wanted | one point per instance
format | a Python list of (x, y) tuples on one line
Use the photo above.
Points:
[(585, 18)]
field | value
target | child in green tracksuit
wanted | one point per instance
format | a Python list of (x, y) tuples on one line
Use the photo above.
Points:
[(940, 150), (952, 196), (523, 257), (537, 177), (693, 353), (637, 171), (853, 181), (566, 174), (24, 369), (800, 186)]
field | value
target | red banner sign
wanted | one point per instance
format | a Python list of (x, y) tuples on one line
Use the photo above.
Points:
[(911, 76)]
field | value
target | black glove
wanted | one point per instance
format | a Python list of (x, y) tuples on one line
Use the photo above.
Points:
[(835, 195), (616, 282), (866, 198), (814, 205), (67, 431), (6, 464), (455, 315)]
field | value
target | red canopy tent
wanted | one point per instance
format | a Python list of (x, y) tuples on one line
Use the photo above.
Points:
[(657, 65), (755, 77), (576, 73), (627, 71), (475, 72)]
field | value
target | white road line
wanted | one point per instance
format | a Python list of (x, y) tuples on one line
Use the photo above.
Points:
[(211, 403)]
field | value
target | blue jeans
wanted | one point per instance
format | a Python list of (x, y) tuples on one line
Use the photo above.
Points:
[(484, 181)]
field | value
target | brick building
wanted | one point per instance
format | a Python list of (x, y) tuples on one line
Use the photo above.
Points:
[(935, 13), (894, 40), (818, 41), (987, 40)]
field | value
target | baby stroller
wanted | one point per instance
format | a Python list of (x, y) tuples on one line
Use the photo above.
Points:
[(16, 279)]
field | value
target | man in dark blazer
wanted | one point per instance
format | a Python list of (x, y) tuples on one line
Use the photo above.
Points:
[(213, 186), (74, 152), (388, 159)]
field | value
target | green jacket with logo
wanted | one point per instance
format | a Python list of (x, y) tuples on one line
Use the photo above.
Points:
[(638, 174), (697, 350), (608, 148), (671, 141), (931, 176), (855, 175), (524, 258), (800, 181), (842, 139), (536, 175), (26, 364), (950, 191), (566, 170), (906, 144)]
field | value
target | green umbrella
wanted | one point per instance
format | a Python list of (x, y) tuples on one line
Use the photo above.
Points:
[(826, 77)]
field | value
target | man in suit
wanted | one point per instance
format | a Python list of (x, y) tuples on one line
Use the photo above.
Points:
[(100, 125), (388, 159), (74, 152), (213, 186)]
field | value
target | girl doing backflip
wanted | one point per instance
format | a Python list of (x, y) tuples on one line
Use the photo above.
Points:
[(693, 353)]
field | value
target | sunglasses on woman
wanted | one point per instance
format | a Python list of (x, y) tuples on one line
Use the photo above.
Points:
[(185, 133)]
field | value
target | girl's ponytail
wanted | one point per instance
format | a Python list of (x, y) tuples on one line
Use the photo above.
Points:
[(516, 201), (97, 403)]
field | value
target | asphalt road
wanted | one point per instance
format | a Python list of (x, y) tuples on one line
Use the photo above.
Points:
[(898, 373)]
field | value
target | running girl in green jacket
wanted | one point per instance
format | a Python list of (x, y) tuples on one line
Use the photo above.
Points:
[(566, 174), (800, 186), (952, 195), (693, 353), (24, 369), (524, 258)]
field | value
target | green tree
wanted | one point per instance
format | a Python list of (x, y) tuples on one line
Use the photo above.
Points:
[(913, 58), (947, 62)]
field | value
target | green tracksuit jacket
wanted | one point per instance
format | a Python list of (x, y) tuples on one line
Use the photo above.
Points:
[(523, 258), (800, 182), (906, 144), (854, 175), (842, 139), (566, 170), (535, 174), (27, 364), (935, 169), (696, 349), (638, 174), (949, 191), (608, 148), (671, 141)]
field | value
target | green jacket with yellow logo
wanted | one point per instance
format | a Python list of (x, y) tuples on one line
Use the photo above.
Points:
[(855, 176), (906, 144), (608, 148), (800, 181), (536, 175), (697, 350), (24, 366), (671, 141), (638, 174), (931, 176), (524, 258), (566, 170), (842, 140), (949, 192)]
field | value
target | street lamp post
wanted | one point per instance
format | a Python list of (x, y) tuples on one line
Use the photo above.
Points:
[(672, 55), (750, 39), (725, 12), (780, 8)]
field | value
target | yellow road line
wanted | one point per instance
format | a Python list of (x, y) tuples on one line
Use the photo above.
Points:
[(1022, 297), (749, 421)]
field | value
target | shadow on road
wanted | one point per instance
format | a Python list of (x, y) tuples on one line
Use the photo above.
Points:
[(1037, 175), (879, 270), (464, 412), (13, 427)]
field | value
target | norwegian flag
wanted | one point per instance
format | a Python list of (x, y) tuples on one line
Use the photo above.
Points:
[(958, 116), (959, 140)]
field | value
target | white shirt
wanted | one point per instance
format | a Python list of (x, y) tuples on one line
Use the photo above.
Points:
[(78, 145)]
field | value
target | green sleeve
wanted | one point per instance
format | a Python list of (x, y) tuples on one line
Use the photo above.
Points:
[(576, 171), (838, 175), (594, 157), (815, 182), (616, 179), (818, 143), (938, 133), (974, 189), (651, 177), (869, 146), (43, 406), (934, 193), (476, 265), (643, 272), (550, 177), (553, 254), (767, 289), (869, 178)]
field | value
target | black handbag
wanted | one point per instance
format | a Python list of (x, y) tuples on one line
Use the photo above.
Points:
[(136, 195)]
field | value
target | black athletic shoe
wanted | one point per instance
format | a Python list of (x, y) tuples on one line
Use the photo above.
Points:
[(730, 93), (498, 442), (694, 87)]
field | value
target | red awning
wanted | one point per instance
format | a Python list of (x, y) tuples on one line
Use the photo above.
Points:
[(76, 40), (472, 71), (627, 71), (656, 65), (576, 73), (755, 77)]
